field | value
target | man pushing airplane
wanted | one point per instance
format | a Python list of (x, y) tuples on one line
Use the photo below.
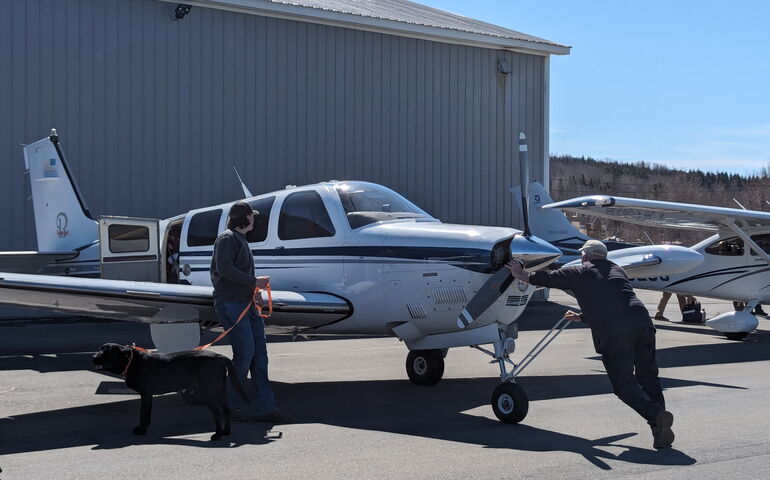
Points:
[(621, 328)]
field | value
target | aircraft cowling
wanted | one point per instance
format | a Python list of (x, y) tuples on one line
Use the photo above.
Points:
[(668, 260), (734, 322), (437, 234)]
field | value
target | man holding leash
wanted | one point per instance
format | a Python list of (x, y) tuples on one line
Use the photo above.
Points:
[(621, 328), (232, 275)]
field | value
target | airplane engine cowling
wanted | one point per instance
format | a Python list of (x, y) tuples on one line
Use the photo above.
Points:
[(733, 322)]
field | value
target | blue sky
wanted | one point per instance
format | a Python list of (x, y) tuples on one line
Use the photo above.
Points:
[(684, 83)]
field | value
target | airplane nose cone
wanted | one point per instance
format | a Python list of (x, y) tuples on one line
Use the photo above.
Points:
[(533, 251)]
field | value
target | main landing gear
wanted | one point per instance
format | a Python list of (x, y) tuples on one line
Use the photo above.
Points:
[(425, 367)]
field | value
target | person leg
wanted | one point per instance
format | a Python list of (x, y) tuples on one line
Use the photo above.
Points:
[(618, 354), (662, 305), (258, 367), (682, 299), (646, 368), (242, 343)]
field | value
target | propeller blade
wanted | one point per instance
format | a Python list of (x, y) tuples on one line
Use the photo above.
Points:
[(485, 297), (524, 182), (537, 252), (533, 251)]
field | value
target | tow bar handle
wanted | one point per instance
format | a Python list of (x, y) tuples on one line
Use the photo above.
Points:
[(539, 347)]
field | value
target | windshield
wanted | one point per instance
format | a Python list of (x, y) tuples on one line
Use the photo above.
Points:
[(366, 203)]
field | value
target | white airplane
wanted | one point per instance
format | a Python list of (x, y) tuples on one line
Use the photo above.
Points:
[(734, 263), (344, 257)]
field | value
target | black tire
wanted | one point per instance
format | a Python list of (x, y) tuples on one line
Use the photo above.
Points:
[(738, 306), (736, 335), (510, 403), (425, 367)]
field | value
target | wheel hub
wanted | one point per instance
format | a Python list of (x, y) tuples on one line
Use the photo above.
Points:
[(505, 403), (420, 366)]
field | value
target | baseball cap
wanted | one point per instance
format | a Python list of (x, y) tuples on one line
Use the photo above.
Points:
[(594, 247), (241, 209)]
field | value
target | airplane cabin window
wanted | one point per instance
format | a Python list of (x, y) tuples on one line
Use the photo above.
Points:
[(367, 203), (763, 241), (303, 215), (261, 221), (731, 247), (204, 228), (128, 238)]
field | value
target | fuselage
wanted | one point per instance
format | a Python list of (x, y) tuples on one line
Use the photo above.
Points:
[(361, 242), (730, 271)]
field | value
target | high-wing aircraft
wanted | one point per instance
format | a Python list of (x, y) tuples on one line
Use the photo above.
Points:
[(733, 264)]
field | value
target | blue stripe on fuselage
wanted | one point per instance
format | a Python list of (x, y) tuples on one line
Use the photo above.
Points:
[(473, 259)]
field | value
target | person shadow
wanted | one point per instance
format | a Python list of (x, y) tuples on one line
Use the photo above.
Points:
[(533, 439)]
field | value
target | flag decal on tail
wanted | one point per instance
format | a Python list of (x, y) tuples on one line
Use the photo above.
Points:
[(49, 168)]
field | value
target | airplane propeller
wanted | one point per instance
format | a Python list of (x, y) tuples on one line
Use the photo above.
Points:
[(529, 249)]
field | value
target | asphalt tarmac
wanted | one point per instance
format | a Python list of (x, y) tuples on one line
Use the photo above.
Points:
[(357, 415)]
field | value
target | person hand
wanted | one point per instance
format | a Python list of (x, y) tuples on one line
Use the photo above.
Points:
[(515, 266), (573, 316), (262, 282)]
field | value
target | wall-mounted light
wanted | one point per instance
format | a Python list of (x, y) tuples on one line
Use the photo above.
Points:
[(181, 11)]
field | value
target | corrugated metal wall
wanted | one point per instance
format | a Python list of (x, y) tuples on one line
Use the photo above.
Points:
[(153, 114)]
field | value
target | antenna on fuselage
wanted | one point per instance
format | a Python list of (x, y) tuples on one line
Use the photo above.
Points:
[(246, 192), (739, 204)]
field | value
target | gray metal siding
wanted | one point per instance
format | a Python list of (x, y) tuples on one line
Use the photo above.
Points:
[(153, 114)]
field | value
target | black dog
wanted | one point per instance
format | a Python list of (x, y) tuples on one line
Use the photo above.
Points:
[(200, 376)]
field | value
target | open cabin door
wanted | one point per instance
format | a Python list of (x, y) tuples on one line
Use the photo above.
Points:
[(129, 248)]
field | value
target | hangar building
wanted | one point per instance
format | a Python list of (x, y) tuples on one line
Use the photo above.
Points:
[(153, 111)]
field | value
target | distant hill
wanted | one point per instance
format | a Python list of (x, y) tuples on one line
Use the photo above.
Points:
[(576, 176)]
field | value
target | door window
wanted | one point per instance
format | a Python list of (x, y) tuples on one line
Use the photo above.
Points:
[(303, 215), (731, 247), (128, 238), (763, 241)]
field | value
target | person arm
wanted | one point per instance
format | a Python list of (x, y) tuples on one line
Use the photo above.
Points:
[(562, 278)]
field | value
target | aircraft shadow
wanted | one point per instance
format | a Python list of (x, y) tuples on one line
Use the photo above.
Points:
[(394, 406)]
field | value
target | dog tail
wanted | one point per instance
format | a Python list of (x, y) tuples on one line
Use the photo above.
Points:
[(236, 381)]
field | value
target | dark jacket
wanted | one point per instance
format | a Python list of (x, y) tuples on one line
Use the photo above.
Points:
[(232, 268), (608, 303)]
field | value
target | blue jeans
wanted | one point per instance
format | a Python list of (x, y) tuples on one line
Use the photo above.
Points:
[(249, 353)]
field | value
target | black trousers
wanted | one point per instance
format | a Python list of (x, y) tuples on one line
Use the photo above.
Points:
[(629, 359)]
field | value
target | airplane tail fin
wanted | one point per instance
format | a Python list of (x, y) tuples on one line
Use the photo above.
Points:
[(551, 225), (62, 220)]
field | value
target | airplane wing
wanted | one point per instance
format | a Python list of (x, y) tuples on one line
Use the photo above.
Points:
[(664, 214), (148, 302)]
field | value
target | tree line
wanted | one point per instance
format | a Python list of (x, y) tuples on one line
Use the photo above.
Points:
[(573, 176)]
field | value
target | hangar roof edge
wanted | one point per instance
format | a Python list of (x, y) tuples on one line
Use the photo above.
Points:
[(400, 17)]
